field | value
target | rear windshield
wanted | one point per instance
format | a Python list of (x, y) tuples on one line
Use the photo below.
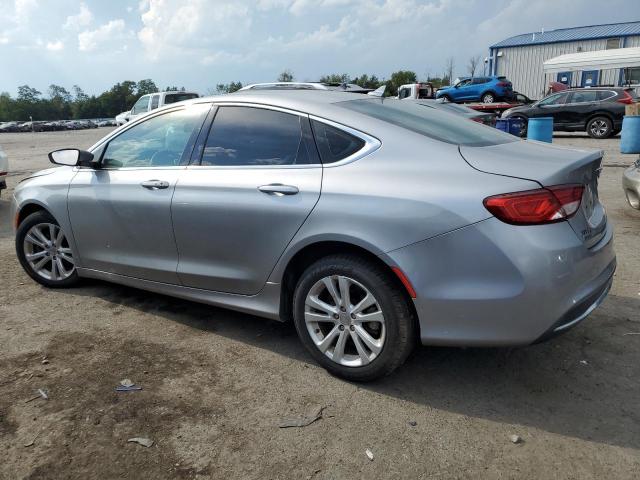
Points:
[(178, 97), (430, 122)]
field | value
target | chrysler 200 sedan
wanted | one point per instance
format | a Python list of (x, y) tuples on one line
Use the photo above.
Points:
[(373, 224)]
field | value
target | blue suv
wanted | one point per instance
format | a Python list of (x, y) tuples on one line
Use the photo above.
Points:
[(473, 89)]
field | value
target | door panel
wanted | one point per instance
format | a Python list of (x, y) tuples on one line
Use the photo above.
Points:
[(122, 227), (230, 234)]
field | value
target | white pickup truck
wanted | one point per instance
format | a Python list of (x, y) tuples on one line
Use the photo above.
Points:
[(151, 101), (416, 90)]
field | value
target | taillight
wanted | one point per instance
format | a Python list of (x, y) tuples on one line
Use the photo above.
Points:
[(503, 84), (477, 119), (535, 207), (627, 99)]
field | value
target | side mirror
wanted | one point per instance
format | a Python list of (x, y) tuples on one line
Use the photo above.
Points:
[(72, 157)]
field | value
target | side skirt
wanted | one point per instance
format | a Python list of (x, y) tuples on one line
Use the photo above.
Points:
[(264, 304)]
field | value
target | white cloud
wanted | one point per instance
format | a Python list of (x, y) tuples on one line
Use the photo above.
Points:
[(82, 19), (4, 40), (112, 32), (55, 46), (181, 25), (23, 9)]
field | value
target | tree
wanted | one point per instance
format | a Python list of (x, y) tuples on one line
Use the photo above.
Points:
[(401, 77), (366, 81), (286, 76), (146, 86), (228, 87), (79, 94), (472, 66), (28, 94), (58, 93), (333, 78), (449, 68)]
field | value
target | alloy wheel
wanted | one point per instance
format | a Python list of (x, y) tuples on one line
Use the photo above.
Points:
[(345, 321), (48, 253), (599, 128)]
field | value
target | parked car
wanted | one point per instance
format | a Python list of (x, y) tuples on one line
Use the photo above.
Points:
[(466, 112), (598, 111), (474, 89), (151, 101), (9, 127), (631, 184), (122, 118), (404, 224), (4, 169)]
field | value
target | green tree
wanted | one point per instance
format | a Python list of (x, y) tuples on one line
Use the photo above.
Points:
[(286, 76), (28, 94), (146, 86), (401, 77), (222, 88), (366, 81), (335, 78)]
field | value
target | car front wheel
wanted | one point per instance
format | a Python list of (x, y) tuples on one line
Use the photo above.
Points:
[(44, 251), (353, 317), (599, 127)]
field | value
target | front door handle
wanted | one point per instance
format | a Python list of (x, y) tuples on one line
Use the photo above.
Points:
[(155, 184), (278, 189)]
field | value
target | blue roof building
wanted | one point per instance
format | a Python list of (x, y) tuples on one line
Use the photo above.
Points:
[(520, 58)]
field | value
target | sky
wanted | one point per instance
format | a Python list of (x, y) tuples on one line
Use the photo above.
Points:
[(200, 43)]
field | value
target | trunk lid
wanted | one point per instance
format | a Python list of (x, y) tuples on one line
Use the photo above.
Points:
[(549, 165)]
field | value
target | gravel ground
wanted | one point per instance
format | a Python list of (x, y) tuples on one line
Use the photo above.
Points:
[(216, 384)]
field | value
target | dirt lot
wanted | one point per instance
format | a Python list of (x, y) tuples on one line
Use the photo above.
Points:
[(217, 383)]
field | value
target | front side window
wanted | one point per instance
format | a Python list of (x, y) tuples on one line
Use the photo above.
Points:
[(557, 99), (141, 106), (464, 83), (404, 93), (158, 142), (248, 136)]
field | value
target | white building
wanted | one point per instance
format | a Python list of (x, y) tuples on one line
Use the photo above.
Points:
[(521, 58)]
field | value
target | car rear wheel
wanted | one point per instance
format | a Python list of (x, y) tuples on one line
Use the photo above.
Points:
[(44, 251), (353, 317), (599, 127), (488, 97)]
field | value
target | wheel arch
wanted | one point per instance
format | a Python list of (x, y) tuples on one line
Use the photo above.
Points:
[(310, 253), (23, 211)]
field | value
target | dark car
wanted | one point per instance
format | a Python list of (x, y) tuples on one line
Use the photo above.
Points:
[(598, 111)]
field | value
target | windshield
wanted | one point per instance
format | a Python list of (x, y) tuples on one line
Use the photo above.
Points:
[(430, 122)]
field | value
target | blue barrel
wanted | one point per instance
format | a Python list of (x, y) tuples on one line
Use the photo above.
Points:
[(630, 140), (515, 126), (541, 129), (502, 124)]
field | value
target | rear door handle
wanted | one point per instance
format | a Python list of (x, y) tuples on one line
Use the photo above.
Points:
[(278, 189), (155, 184)]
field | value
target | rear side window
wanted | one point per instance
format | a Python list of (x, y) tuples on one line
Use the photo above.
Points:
[(335, 144), (430, 122), (178, 97), (154, 101), (584, 97), (247, 136)]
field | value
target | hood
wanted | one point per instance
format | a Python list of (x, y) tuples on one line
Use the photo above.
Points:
[(519, 109)]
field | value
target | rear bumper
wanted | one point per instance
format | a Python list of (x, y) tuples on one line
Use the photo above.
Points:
[(493, 284)]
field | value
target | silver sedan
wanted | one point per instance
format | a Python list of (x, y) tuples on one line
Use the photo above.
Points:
[(373, 224)]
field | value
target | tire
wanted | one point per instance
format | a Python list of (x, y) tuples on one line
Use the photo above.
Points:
[(446, 98), (599, 127), (488, 97), (33, 248), (393, 333)]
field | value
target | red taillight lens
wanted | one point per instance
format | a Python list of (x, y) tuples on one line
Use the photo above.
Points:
[(503, 84), (535, 207), (626, 99)]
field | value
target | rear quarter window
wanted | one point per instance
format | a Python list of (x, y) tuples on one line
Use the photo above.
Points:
[(335, 144), (430, 122)]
